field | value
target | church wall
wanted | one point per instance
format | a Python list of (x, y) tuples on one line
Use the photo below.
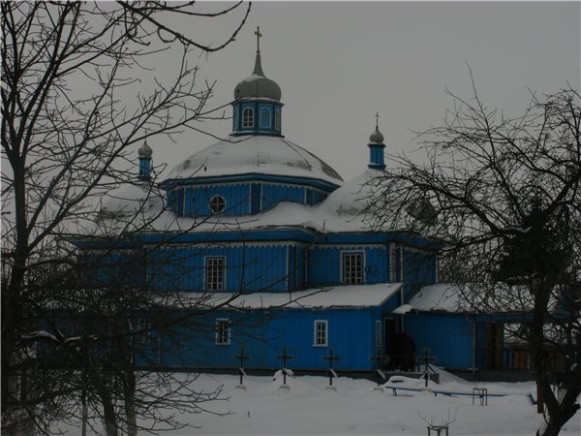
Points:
[(449, 338), (251, 267), (263, 334), (325, 266), (419, 270)]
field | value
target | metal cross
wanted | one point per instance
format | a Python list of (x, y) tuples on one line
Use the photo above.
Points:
[(426, 359), (242, 358), (331, 358), (258, 36), (284, 356), (379, 358), (377, 120)]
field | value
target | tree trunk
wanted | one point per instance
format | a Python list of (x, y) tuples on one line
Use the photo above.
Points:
[(130, 413)]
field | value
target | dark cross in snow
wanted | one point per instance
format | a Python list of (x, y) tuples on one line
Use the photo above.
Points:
[(284, 356), (379, 358), (376, 120), (258, 36), (331, 358), (242, 358), (426, 359)]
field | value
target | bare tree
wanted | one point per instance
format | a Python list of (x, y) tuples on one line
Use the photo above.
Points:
[(72, 109), (504, 194)]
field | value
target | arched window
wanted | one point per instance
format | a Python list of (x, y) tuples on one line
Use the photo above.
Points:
[(265, 117), (248, 117), (217, 204)]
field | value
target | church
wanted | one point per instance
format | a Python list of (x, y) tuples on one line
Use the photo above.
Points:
[(264, 250)]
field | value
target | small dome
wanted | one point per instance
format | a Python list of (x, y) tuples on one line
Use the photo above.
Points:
[(376, 137), (145, 151), (257, 85)]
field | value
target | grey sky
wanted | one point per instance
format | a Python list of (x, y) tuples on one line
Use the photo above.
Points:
[(338, 63)]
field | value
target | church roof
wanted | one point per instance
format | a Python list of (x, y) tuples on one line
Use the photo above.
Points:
[(131, 198), (270, 155)]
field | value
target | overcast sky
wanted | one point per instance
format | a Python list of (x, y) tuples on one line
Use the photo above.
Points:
[(338, 63)]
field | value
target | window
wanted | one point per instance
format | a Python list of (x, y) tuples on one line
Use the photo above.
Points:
[(378, 341), (217, 204), (223, 332), (214, 273), (248, 117), (277, 118), (141, 327), (265, 117), (352, 265), (320, 333)]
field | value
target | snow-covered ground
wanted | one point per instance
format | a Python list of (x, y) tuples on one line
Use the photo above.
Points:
[(356, 408)]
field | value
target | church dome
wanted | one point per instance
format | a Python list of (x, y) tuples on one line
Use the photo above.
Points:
[(351, 199), (254, 154), (376, 137), (257, 85)]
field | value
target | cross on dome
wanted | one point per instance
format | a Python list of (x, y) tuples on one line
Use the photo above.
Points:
[(258, 36)]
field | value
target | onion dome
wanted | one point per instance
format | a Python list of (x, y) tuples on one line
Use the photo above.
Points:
[(257, 85), (376, 146), (376, 137), (145, 151)]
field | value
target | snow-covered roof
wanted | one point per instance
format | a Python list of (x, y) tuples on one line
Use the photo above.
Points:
[(330, 297), (131, 198), (475, 297), (255, 154)]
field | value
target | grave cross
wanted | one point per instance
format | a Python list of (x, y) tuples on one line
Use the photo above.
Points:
[(426, 359), (331, 358), (284, 357), (242, 358), (379, 358)]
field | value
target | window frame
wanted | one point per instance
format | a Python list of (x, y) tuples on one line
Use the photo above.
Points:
[(223, 331), (325, 324), (277, 119), (208, 276), (248, 117), (222, 202), (347, 274)]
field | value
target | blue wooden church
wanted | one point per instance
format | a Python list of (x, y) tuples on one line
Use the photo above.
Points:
[(262, 246)]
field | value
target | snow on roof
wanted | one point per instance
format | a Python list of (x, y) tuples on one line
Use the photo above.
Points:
[(475, 297), (445, 297), (130, 197), (271, 155), (316, 298)]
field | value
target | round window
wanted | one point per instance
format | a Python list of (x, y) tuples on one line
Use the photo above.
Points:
[(217, 204)]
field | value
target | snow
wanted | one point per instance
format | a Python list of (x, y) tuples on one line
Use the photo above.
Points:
[(336, 296), (329, 297), (355, 408), (270, 155)]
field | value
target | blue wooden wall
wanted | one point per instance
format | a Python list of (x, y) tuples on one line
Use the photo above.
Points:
[(324, 264), (449, 337), (240, 198), (351, 334), (247, 267)]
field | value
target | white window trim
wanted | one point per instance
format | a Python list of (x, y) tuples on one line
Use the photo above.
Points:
[(228, 330), (206, 284), (243, 123), (378, 334), (210, 204), (363, 266), (316, 323)]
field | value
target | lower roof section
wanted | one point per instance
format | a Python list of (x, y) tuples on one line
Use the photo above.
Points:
[(332, 297)]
